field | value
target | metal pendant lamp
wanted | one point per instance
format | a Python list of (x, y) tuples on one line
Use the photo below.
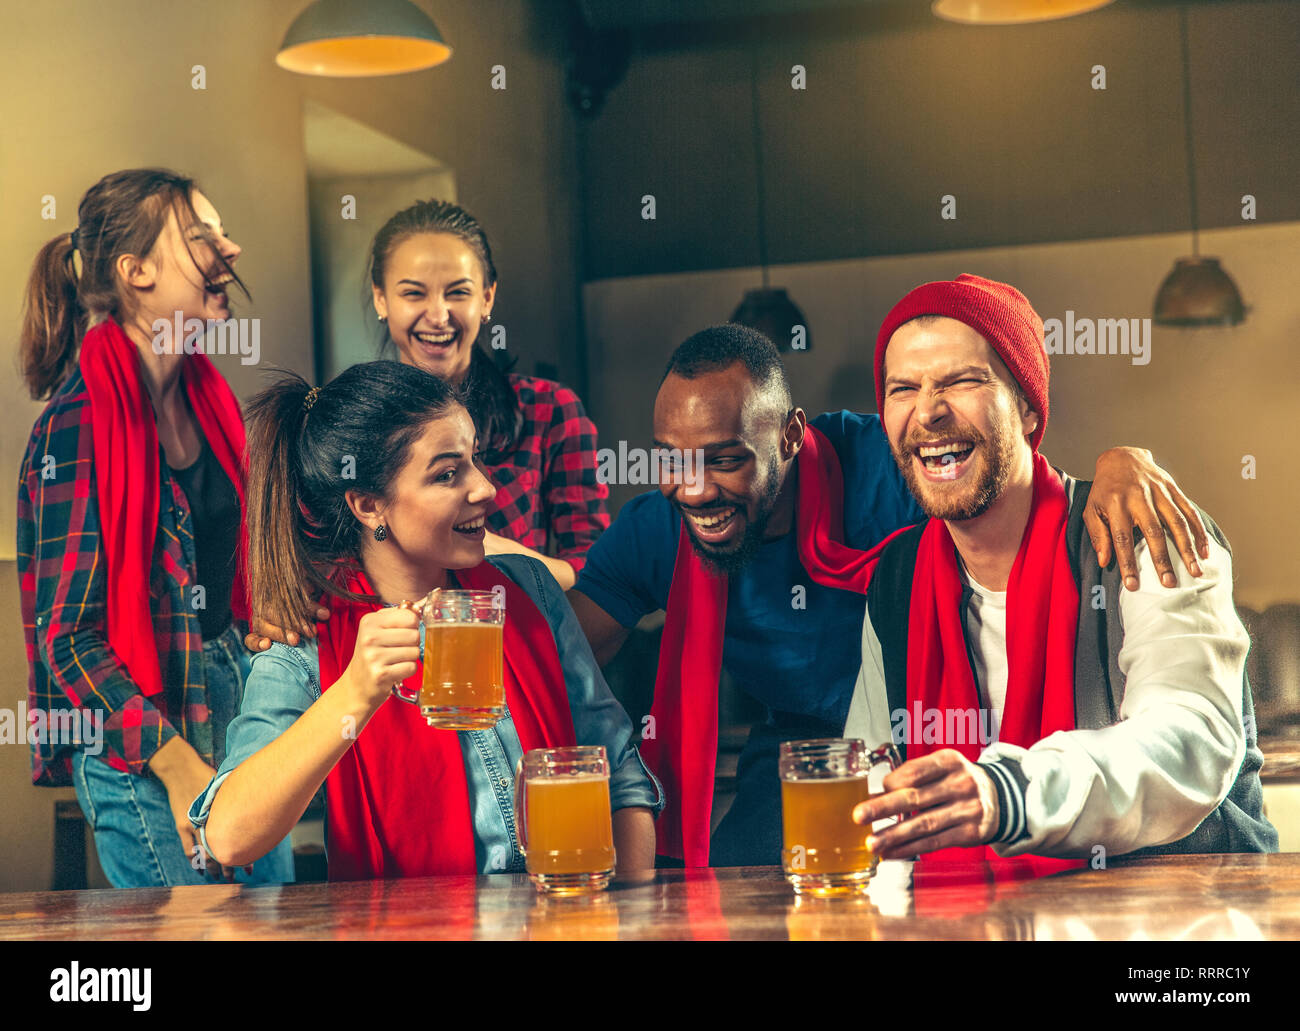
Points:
[(1198, 292), (769, 309), (1011, 12), (352, 38)]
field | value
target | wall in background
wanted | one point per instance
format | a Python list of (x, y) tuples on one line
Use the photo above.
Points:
[(899, 112), (1205, 399)]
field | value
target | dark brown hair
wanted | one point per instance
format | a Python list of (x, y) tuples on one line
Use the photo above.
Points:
[(123, 213), (356, 436), (491, 398)]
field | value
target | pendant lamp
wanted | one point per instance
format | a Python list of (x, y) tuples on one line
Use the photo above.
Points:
[(351, 38), (1011, 12), (1198, 292), (769, 309)]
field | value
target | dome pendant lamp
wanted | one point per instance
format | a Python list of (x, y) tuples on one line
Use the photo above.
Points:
[(352, 38), (1198, 292)]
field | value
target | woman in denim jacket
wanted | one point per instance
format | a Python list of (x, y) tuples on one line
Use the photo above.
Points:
[(370, 489)]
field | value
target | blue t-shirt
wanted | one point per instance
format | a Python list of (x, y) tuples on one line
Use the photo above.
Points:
[(801, 662)]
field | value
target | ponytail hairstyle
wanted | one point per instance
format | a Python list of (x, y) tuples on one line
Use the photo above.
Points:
[(489, 395), (123, 213), (354, 434)]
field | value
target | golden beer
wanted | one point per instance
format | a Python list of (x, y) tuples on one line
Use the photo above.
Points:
[(569, 826), (819, 832), (563, 820), (463, 688), (825, 853)]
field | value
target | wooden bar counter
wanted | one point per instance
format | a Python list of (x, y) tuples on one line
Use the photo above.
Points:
[(1185, 897)]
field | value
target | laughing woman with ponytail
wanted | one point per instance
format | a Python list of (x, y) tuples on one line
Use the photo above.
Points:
[(370, 490), (130, 503)]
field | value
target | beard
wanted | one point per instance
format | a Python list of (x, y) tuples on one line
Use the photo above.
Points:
[(996, 457), (730, 561)]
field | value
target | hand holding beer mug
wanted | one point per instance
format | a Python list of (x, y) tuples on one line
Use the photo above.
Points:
[(562, 818), (463, 687), (822, 781)]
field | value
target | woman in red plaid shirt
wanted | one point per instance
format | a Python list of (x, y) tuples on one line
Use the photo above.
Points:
[(434, 286)]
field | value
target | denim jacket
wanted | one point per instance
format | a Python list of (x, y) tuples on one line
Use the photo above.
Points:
[(285, 682)]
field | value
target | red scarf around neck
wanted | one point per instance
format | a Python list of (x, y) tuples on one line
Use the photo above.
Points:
[(683, 750), (127, 476), (397, 802), (1042, 619)]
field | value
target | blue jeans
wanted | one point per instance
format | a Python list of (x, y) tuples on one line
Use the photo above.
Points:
[(135, 832)]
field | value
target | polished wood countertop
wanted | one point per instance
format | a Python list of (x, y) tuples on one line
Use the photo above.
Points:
[(1185, 897)]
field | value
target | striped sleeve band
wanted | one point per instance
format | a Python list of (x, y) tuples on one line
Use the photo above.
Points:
[(1011, 784)]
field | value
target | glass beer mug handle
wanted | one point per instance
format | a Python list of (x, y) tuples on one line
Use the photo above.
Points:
[(396, 689), (521, 800), (887, 754)]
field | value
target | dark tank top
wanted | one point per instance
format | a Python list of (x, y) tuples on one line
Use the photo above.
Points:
[(214, 514)]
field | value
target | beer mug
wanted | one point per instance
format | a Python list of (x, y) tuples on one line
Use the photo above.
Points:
[(462, 686), (825, 853), (562, 818)]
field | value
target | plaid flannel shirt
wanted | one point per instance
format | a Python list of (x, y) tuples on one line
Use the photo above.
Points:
[(548, 487), (63, 579)]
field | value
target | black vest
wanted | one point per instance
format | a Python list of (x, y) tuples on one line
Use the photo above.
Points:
[(1237, 825)]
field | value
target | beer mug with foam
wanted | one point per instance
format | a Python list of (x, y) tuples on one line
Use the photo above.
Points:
[(825, 853), (462, 686), (562, 818)]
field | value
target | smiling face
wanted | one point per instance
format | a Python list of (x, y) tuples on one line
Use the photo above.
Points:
[(436, 505), (956, 423), (727, 504), (183, 272), (434, 300)]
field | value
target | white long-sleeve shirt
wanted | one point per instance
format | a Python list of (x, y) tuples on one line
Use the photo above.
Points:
[(1147, 780)]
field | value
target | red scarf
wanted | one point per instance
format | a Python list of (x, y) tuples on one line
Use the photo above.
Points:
[(397, 802), (127, 476), (683, 751), (1042, 618)]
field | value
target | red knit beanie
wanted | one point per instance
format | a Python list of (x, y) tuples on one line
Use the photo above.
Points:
[(1000, 313)]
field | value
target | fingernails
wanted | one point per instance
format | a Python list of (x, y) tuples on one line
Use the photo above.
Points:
[(873, 842), (1169, 580), (1196, 569), (1131, 582)]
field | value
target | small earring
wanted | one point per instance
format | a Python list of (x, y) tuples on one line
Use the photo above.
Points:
[(380, 532), (383, 318), (487, 317)]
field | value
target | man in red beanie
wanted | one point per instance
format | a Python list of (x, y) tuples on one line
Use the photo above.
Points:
[(1042, 708)]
